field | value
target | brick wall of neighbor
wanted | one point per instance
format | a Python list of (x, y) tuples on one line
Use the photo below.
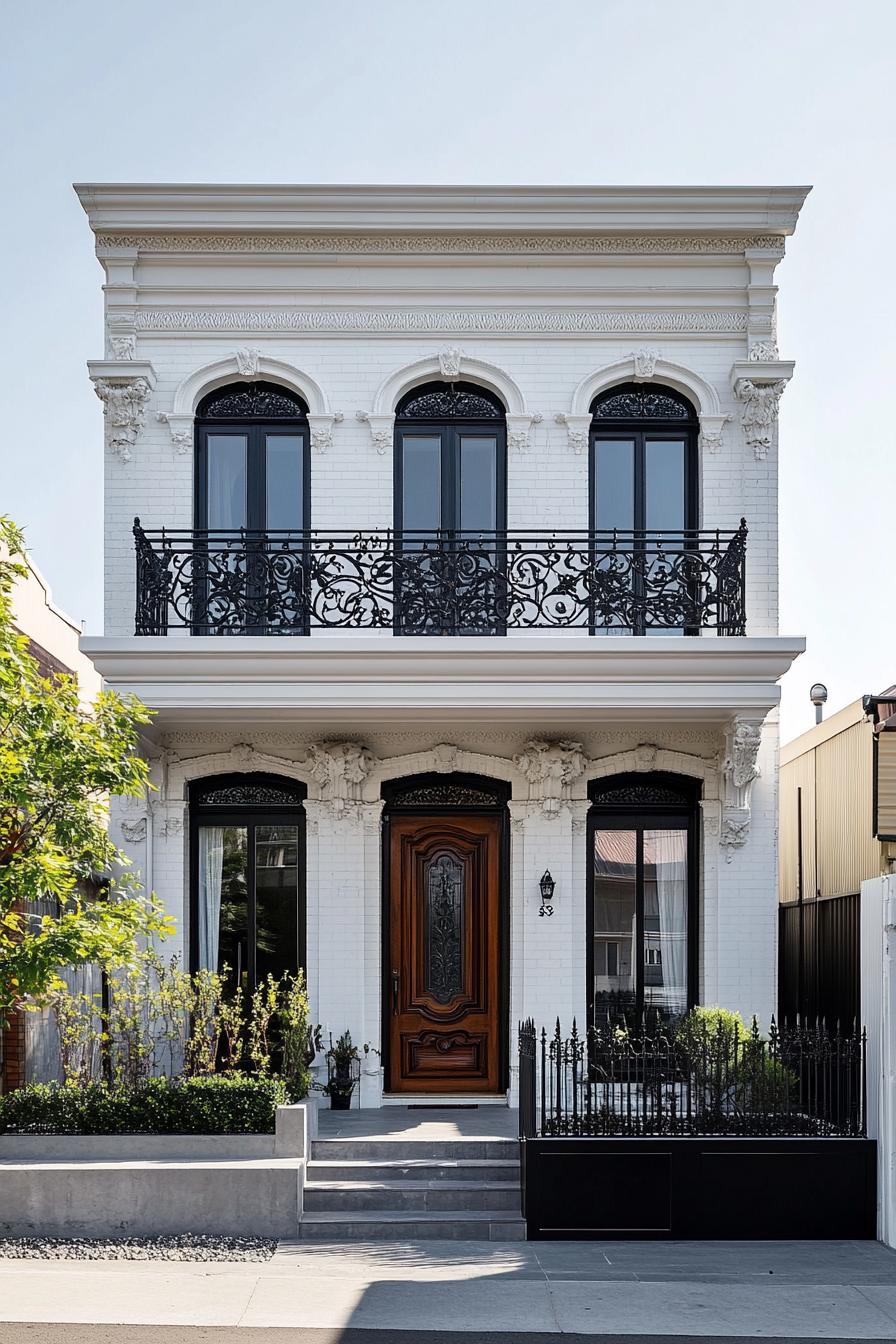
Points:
[(532, 321)]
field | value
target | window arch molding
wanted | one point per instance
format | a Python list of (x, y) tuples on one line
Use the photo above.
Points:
[(677, 376), (430, 369), (198, 384)]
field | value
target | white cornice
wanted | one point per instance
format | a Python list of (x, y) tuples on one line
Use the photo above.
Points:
[(395, 679), (241, 208)]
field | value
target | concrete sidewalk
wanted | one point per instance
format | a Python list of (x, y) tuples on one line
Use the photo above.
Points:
[(749, 1290)]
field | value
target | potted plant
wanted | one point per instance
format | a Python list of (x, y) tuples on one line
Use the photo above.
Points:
[(343, 1071)]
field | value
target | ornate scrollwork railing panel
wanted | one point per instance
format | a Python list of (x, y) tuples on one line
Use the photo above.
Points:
[(282, 583)]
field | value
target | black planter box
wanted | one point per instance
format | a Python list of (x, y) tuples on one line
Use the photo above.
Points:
[(714, 1188)]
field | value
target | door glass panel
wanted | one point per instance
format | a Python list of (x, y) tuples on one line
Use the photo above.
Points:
[(664, 483), (666, 922), (443, 954), (226, 481), (223, 904), (478, 484), (421, 505), (277, 899), (615, 922), (614, 503), (283, 481)]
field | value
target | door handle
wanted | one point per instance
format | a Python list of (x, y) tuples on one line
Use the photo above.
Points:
[(395, 983)]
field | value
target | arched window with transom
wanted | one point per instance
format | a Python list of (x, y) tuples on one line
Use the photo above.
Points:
[(247, 888), (252, 460), (642, 897), (450, 508)]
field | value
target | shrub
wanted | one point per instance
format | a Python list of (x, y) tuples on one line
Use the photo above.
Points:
[(221, 1104)]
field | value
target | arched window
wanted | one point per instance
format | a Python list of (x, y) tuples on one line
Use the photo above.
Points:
[(643, 460), (252, 459), (450, 504), (642, 897), (247, 889)]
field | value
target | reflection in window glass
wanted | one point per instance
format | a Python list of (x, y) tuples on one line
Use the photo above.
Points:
[(223, 907), (614, 484), (226, 481), (421, 483), (277, 899), (615, 921), (478, 484), (283, 482), (666, 921), (664, 484)]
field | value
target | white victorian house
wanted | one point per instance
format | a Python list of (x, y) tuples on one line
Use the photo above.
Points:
[(454, 592)]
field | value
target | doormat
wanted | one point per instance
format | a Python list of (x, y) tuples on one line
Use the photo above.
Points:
[(458, 1106)]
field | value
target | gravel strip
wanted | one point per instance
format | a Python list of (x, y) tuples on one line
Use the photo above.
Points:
[(185, 1247)]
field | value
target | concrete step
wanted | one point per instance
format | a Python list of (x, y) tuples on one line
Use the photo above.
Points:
[(416, 1169), (349, 1197), (386, 1150), (378, 1226)]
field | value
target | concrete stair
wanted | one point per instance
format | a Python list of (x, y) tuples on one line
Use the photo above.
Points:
[(405, 1189)]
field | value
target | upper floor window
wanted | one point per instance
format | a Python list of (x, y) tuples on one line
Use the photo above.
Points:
[(643, 460), (252, 459), (450, 460)]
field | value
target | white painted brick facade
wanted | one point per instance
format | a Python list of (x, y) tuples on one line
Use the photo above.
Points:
[(352, 489)]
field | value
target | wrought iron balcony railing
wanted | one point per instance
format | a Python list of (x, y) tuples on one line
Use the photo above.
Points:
[(440, 583)]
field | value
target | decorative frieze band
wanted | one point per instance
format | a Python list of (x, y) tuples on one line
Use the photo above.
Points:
[(565, 244), (546, 321)]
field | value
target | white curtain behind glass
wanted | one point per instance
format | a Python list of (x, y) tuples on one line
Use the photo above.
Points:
[(211, 866), (667, 853)]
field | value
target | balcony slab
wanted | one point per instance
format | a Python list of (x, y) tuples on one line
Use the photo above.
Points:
[(392, 679)]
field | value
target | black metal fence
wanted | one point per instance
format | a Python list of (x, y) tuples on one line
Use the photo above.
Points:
[(439, 583), (695, 1079)]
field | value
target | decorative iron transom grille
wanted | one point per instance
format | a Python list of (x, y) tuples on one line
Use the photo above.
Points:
[(445, 795), (641, 403), (251, 401), (249, 795), (449, 401), (641, 795)]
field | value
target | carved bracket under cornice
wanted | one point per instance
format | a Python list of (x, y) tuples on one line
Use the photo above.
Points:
[(578, 427), (550, 769), (340, 769), (381, 430), (759, 384), (739, 768), (124, 387)]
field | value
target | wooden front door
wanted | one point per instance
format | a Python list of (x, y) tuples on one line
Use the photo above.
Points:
[(444, 982)]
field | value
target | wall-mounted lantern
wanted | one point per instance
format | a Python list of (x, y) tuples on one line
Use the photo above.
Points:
[(547, 885)]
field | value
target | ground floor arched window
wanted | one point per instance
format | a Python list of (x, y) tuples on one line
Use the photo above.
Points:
[(642, 898), (247, 887)]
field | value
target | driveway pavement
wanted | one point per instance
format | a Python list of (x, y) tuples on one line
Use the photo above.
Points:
[(446, 1291)]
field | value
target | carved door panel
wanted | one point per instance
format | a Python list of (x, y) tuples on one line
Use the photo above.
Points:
[(444, 942)]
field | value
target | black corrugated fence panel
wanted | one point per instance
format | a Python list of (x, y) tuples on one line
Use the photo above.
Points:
[(818, 961)]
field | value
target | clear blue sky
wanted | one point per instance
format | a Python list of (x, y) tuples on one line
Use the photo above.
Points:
[(594, 91)]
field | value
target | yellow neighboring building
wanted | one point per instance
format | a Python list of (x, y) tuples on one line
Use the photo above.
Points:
[(837, 806)]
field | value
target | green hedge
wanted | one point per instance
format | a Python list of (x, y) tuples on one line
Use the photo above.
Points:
[(221, 1104)]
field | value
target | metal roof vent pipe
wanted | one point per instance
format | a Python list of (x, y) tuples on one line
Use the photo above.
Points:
[(818, 694)]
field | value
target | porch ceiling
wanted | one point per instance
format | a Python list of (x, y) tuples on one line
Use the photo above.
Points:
[(340, 682)]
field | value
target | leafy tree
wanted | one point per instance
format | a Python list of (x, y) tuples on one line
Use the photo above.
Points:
[(58, 765)]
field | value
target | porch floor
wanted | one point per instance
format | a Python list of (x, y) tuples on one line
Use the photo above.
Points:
[(412, 1124)]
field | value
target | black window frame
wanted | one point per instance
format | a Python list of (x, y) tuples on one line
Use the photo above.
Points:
[(683, 814), (450, 429), (251, 816), (256, 427)]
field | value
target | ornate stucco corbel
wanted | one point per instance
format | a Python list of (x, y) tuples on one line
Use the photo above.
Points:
[(124, 387), (738, 770), (321, 428), (578, 428), (758, 384), (340, 769), (181, 429), (550, 768), (381, 430), (518, 430), (711, 432)]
